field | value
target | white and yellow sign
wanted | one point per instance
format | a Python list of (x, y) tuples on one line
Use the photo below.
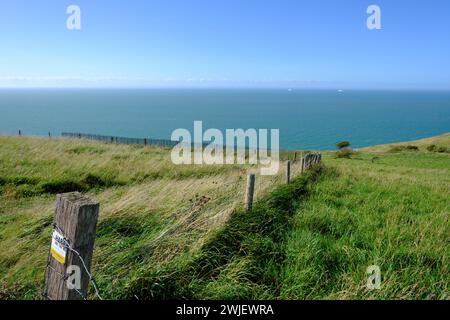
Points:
[(58, 248)]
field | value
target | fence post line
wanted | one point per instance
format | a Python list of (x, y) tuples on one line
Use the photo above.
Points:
[(20, 133), (288, 171), (302, 165), (75, 221), (250, 191)]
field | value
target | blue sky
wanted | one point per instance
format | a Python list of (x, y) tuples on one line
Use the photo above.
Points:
[(231, 43)]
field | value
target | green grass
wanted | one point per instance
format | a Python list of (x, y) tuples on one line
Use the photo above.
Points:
[(152, 212), (240, 261), (170, 231), (393, 214)]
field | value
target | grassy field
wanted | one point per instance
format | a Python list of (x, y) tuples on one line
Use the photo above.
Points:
[(393, 213), (151, 210), (170, 231)]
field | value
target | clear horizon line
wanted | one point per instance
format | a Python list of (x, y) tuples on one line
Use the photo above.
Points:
[(287, 88)]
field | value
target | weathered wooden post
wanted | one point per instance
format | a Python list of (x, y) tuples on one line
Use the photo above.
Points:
[(20, 132), (67, 275), (145, 141), (302, 165), (295, 156), (49, 135), (250, 191), (288, 172)]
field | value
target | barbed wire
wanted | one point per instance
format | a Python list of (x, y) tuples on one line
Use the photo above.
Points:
[(308, 161), (64, 277)]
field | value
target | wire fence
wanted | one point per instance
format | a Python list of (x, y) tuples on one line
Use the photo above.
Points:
[(120, 140), (142, 141), (65, 276), (262, 184)]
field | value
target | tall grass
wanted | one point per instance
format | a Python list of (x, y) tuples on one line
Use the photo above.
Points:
[(167, 231), (151, 210)]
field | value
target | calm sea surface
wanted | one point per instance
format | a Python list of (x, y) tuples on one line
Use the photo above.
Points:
[(306, 119)]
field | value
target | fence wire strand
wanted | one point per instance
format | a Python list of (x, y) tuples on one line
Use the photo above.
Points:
[(64, 277)]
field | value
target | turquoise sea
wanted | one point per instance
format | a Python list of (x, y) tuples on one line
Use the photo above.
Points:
[(310, 119)]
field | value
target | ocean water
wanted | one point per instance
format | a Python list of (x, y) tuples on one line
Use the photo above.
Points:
[(309, 119)]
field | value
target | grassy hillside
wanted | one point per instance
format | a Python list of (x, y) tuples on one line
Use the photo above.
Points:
[(393, 213), (180, 232), (422, 144), (151, 210)]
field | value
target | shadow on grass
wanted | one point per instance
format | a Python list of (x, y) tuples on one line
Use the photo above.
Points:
[(257, 236)]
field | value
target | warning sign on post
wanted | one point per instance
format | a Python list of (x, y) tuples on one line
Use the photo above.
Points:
[(58, 248)]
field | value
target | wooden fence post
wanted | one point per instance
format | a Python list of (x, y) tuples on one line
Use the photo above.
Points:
[(288, 172), (302, 165), (250, 191), (72, 245), (20, 132)]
